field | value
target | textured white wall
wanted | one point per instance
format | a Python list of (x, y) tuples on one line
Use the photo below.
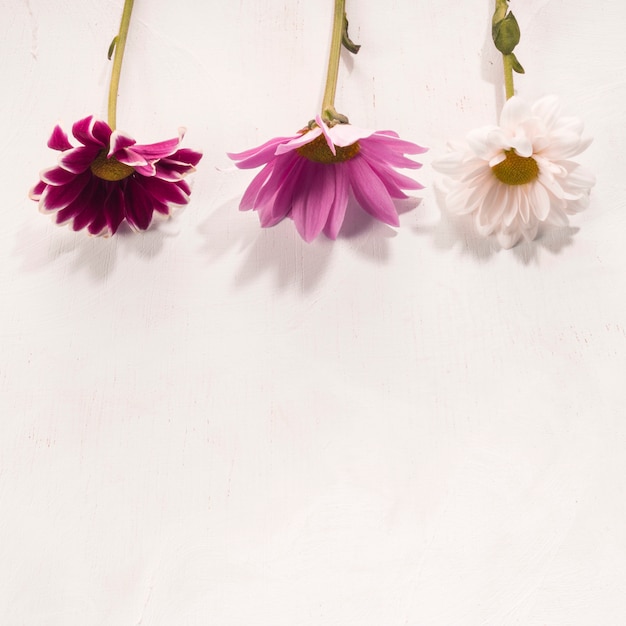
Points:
[(213, 424)]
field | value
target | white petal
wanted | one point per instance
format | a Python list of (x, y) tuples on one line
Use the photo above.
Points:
[(548, 109), (515, 111)]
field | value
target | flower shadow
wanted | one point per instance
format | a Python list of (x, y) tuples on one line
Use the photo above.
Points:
[(40, 248), (278, 250), (458, 231)]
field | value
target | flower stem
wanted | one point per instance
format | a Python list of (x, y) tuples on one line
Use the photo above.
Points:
[(507, 60), (120, 44), (328, 103)]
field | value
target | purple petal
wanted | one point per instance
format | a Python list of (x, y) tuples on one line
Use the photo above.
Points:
[(37, 190), (83, 131), (58, 140), (114, 211), (87, 200), (119, 141), (55, 198), (163, 191), (185, 156), (78, 160), (313, 199), (128, 156), (257, 156), (139, 206), (370, 192), (158, 150), (338, 209), (148, 170), (56, 176)]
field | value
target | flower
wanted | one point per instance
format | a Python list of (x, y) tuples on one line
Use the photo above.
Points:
[(109, 178), (517, 175), (309, 176)]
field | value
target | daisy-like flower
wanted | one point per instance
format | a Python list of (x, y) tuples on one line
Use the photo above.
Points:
[(110, 178), (309, 177), (515, 176)]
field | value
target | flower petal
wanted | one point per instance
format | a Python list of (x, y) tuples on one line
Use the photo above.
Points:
[(78, 160), (337, 211), (58, 140), (249, 159), (58, 197), (370, 192), (313, 200)]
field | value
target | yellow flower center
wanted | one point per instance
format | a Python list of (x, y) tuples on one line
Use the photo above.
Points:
[(110, 168), (319, 151), (515, 169)]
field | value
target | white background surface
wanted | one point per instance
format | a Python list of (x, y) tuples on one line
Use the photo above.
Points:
[(211, 423)]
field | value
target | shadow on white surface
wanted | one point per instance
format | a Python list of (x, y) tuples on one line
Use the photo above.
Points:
[(280, 250), (40, 247), (458, 231)]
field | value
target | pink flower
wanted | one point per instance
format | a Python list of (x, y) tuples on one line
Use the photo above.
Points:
[(110, 178), (309, 176)]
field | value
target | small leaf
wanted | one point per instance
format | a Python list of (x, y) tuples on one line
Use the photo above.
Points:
[(516, 65), (112, 47), (345, 38)]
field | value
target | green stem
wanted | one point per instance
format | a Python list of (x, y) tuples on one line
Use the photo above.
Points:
[(120, 44), (507, 59), (328, 103)]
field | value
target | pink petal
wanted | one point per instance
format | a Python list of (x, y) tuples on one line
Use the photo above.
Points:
[(283, 201), (370, 192), (283, 170), (299, 141), (248, 200), (260, 155), (346, 134), (313, 200), (393, 181), (338, 209)]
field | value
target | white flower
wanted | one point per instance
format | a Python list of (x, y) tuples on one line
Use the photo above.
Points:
[(513, 177)]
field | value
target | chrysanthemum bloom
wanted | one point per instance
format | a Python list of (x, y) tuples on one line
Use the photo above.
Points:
[(517, 175), (109, 178), (309, 176)]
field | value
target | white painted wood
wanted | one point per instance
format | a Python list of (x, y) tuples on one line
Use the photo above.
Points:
[(214, 424)]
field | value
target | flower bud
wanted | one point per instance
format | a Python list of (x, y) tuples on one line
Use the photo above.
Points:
[(504, 28)]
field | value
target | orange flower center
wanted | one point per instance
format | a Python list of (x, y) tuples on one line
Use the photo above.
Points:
[(110, 168), (515, 169), (319, 151)]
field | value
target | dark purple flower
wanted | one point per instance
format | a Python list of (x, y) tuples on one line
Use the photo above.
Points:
[(309, 176), (109, 178)]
